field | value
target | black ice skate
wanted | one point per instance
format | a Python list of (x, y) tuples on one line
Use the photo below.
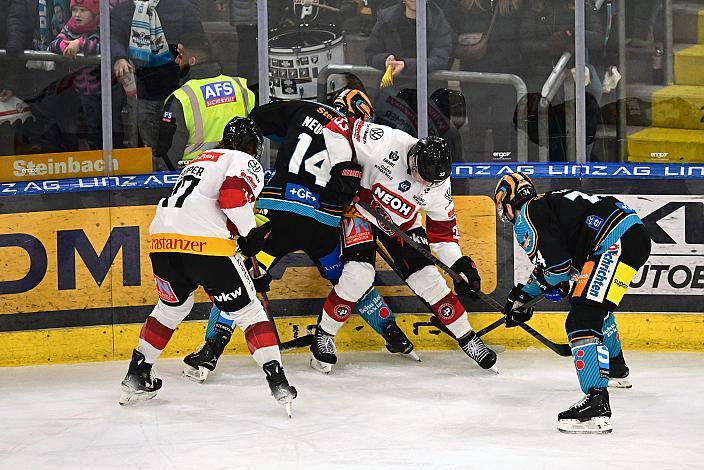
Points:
[(397, 341), (474, 347), (203, 361), (280, 389), (139, 383), (618, 371), (323, 349), (590, 415)]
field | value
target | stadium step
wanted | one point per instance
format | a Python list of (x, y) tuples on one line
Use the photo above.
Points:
[(665, 145)]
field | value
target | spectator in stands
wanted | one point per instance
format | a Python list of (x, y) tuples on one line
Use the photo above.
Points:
[(488, 34), (80, 35), (195, 114), (546, 32), (39, 83), (141, 33), (243, 16), (641, 18), (392, 41)]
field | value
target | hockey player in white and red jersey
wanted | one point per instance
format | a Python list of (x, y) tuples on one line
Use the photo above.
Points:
[(199, 236), (401, 176)]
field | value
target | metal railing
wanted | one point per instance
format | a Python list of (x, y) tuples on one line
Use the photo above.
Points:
[(46, 56), (550, 89), (372, 75)]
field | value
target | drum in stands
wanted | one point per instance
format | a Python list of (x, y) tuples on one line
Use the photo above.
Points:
[(296, 56)]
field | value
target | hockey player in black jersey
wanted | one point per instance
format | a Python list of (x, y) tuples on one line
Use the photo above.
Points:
[(304, 201), (597, 241)]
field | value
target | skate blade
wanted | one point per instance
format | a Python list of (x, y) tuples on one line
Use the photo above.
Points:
[(130, 397), (494, 369), (323, 367), (620, 383), (412, 355), (289, 409), (197, 375), (598, 425)]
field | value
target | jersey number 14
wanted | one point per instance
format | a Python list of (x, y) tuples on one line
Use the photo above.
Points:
[(317, 164)]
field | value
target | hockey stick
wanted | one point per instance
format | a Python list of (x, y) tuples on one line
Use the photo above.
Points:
[(295, 343), (433, 319), (560, 349)]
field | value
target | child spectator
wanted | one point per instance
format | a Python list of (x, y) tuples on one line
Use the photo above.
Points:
[(80, 34)]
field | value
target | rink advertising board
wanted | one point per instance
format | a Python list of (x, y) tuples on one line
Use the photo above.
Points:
[(98, 258), (75, 271), (83, 164)]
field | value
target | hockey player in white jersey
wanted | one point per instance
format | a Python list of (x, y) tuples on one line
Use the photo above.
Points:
[(199, 236), (401, 176)]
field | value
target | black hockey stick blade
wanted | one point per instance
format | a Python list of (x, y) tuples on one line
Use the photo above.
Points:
[(300, 342), (563, 350)]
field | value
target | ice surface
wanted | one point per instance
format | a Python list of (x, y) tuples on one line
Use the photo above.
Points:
[(375, 411)]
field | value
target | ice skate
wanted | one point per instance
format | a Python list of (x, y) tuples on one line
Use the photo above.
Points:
[(618, 372), (200, 363), (323, 349), (397, 341), (590, 415), (280, 389), (139, 383), (474, 347)]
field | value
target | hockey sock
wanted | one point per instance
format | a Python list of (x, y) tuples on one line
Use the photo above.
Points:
[(591, 361), (261, 342), (451, 313), (612, 340), (218, 323), (153, 339), (159, 326), (374, 310), (336, 311)]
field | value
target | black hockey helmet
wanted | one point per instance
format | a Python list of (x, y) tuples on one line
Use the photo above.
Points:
[(354, 103), (429, 161), (243, 134), (512, 191)]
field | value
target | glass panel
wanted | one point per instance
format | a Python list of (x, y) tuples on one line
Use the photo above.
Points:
[(55, 235)]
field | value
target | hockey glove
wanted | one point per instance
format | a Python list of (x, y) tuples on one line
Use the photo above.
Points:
[(558, 292), (254, 241), (466, 268), (513, 308), (345, 179), (263, 280), (552, 293)]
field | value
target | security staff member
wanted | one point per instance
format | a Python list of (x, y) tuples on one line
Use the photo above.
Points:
[(195, 114)]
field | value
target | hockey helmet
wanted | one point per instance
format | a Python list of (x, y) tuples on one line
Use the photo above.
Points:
[(512, 191), (354, 103), (429, 161), (243, 134)]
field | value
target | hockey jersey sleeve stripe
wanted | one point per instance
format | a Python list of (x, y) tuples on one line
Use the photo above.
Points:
[(235, 192), (441, 230)]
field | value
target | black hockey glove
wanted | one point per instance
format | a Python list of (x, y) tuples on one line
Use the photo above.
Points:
[(254, 241), (345, 179), (263, 280), (552, 293), (513, 308), (465, 266)]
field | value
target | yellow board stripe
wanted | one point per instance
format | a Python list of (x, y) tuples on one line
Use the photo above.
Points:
[(646, 332)]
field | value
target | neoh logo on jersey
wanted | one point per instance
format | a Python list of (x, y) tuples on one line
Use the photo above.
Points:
[(296, 192), (218, 93), (392, 201)]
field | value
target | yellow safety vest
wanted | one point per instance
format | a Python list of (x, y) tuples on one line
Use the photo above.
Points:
[(208, 104)]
